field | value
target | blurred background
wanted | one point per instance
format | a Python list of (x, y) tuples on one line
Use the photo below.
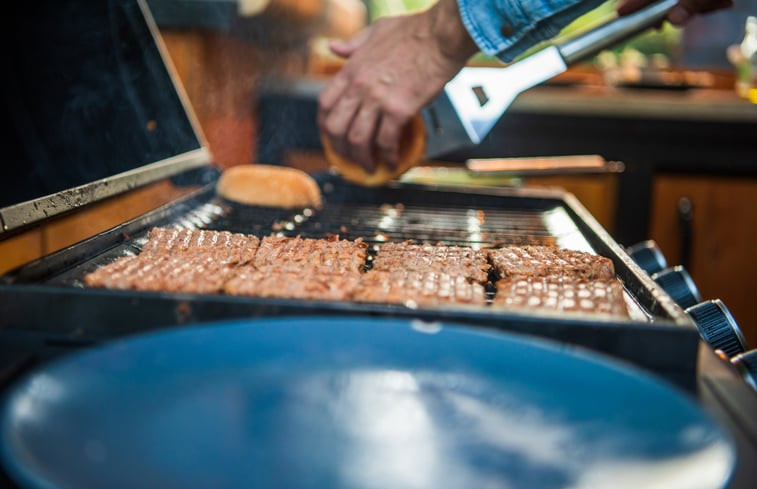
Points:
[(672, 105)]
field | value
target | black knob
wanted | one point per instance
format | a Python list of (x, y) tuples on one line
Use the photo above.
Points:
[(717, 327), (678, 283), (648, 256), (746, 364)]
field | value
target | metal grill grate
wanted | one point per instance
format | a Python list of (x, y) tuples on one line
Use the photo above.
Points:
[(376, 223), (476, 226)]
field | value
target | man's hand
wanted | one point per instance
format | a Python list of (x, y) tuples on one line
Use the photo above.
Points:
[(395, 67), (682, 12)]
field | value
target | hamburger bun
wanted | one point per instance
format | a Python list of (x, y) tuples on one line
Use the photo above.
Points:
[(412, 150), (269, 186)]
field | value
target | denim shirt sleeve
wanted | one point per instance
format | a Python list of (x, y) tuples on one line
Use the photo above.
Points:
[(506, 28)]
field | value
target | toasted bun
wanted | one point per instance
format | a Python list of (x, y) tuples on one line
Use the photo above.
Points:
[(412, 150), (270, 186)]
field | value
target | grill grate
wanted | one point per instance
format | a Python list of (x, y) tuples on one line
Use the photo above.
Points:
[(376, 223), (474, 226)]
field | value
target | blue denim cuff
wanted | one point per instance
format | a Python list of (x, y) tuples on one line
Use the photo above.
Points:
[(526, 22)]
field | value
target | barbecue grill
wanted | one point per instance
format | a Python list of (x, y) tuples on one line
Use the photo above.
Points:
[(659, 336), (45, 310)]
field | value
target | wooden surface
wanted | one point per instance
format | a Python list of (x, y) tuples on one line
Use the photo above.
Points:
[(723, 263), (545, 164), (598, 193)]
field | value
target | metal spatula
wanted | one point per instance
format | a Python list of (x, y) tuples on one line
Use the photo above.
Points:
[(472, 102)]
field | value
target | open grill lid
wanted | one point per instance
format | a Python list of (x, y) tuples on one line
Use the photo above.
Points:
[(94, 109)]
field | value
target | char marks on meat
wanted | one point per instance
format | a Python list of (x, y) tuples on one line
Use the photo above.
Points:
[(542, 278), (421, 287), (562, 294), (293, 254), (452, 260), (548, 261), (221, 246), (297, 268), (179, 260), (162, 273), (308, 283)]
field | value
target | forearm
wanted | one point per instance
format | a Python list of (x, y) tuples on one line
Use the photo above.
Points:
[(506, 28)]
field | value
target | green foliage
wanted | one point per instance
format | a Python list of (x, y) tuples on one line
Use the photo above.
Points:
[(654, 41), (383, 8)]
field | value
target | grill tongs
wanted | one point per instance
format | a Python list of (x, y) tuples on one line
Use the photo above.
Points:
[(472, 102)]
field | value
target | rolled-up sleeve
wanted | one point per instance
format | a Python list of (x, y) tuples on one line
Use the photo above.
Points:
[(506, 28)]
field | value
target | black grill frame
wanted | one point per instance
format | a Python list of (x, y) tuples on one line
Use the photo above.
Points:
[(45, 298)]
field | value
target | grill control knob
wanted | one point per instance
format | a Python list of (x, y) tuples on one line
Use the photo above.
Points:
[(648, 256), (746, 364), (678, 283), (718, 328)]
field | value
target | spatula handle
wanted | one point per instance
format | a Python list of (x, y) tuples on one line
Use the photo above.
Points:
[(614, 32)]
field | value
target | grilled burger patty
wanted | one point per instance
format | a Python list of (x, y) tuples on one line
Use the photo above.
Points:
[(178, 260), (309, 283), (162, 273), (294, 254), (200, 261), (221, 246), (549, 261), (561, 294), (426, 288), (452, 260)]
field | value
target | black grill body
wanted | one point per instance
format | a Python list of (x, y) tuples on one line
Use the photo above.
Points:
[(46, 299)]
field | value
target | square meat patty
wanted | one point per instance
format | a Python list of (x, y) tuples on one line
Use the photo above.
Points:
[(422, 288), (452, 260), (547, 261), (561, 294)]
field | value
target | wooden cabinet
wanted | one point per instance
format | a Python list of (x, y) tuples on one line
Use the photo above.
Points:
[(598, 193), (721, 236)]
